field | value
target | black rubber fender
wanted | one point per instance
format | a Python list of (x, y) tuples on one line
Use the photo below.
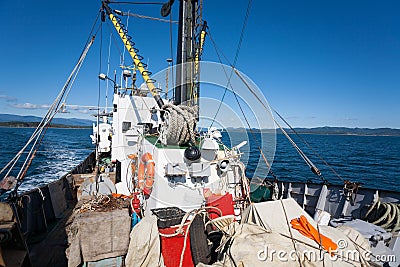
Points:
[(198, 241)]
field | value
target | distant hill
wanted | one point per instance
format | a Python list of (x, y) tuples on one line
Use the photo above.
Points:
[(336, 130), (16, 120), (18, 124), (349, 131)]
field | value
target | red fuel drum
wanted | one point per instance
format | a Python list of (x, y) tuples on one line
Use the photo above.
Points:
[(171, 247)]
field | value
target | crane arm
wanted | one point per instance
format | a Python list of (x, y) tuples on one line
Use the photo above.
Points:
[(132, 52)]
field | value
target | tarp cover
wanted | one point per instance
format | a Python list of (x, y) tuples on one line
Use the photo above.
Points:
[(93, 236), (6, 213), (265, 238), (144, 247)]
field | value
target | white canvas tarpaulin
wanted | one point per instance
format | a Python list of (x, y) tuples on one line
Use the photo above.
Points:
[(265, 238), (144, 247)]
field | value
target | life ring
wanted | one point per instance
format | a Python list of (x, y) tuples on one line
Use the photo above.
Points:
[(146, 173)]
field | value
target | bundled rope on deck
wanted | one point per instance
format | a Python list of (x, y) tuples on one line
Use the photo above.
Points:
[(385, 215), (180, 122), (102, 203)]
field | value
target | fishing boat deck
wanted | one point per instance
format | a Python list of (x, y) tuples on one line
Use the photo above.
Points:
[(51, 250)]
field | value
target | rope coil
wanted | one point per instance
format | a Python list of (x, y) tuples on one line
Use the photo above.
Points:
[(385, 215), (179, 124)]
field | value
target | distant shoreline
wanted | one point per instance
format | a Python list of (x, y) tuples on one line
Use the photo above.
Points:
[(330, 131), (66, 127), (327, 130), (19, 121), (14, 124), (344, 134)]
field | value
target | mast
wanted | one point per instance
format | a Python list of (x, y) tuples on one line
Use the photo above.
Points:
[(187, 87)]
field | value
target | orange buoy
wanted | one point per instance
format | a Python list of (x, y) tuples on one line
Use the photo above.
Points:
[(146, 173), (305, 228)]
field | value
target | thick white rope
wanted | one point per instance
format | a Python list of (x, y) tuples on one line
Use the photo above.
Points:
[(181, 122)]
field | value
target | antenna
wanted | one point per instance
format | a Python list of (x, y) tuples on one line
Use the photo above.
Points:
[(169, 60)]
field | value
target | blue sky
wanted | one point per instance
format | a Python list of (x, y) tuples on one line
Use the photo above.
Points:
[(334, 63)]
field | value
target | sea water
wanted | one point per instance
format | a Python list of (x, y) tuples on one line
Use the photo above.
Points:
[(371, 160), (60, 151)]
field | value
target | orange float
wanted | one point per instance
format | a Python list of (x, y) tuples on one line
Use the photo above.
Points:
[(305, 228), (146, 173)]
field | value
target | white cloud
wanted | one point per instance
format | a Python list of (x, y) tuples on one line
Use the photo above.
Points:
[(73, 107), (30, 106), (8, 98), (83, 111)]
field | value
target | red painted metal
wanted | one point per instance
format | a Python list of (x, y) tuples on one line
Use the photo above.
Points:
[(222, 202), (171, 247)]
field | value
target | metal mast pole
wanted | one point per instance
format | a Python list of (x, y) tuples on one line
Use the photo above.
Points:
[(180, 90)]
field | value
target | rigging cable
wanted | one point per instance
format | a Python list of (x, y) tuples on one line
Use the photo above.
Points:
[(235, 59), (136, 3), (123, 53), (244, 116), (307, 160), (128, 40), (108, 71), (251, 131), (312, 166), (38, 133), (98, 112), (114, 41), (46, 119), (309, 146), (121, 13), (44, 124), (63, 105)]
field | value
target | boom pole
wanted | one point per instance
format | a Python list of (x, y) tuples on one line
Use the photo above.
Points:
[(132, 52)]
